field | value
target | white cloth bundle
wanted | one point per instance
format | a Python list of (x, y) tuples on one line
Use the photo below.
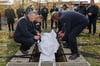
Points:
[(48, 46)]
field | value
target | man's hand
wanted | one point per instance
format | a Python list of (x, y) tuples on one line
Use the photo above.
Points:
[(37, 24), (90, 14), (36, 37), (39, 34), (62, 34), (57, 30), (60, 39)]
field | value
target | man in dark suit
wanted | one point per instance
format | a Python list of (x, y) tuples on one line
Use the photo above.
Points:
[(81, 9), (92, 14), (25, 32), (10, 15), (29, 9), (54, 8), (72, 25), (44, 12), (20, 12), (0, 20)]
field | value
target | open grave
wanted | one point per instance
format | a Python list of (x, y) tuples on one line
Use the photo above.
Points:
[(62, 56)]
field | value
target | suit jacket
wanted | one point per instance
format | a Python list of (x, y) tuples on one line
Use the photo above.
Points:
[(52, 10), (82, 10), (0, 17), (44, 12), (94, 10), (25, 30), (10, 14), (70, 20), (20, 12)]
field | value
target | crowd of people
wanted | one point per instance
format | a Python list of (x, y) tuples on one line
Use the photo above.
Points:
[(44, 11), (69, 22)]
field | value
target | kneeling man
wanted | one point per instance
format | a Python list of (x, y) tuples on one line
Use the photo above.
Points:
[(26, 33)]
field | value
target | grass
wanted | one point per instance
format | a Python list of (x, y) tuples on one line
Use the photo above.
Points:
[(7, 48), (89, 46)]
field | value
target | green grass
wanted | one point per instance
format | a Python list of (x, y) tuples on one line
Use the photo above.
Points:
[(89, 46), (7, 47)]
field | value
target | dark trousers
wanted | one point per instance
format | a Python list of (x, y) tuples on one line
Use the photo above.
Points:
[(52, 21), (92, 22), (44, 22), (11, 26), (25, 46), (26, 43), (72, 41), (0, 26)]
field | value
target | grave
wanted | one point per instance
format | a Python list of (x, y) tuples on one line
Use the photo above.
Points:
[(61, 59)]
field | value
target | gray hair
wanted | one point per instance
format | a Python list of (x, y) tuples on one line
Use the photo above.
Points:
[(33, 13), (40, 16)]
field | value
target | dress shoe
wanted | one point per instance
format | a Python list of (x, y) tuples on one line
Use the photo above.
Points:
[(23, 51), (65, 45), (74, 56)]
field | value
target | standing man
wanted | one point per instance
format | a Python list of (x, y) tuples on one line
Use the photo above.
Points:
[(81, 9), (20, 12), (54, 8), (39, 10), (29, 9), (0, 20), (10, 15), (92, 14), (72, 23), (64, 8), (44, 12), (25, 32)]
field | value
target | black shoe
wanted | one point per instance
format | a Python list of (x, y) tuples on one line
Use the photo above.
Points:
[(74, 56), (23, 51), (65, 45)]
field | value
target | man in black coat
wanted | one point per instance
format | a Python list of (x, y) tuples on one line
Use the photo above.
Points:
[(39, 10), (54, 8), (20, 12), (81, 9), (72, 24), (25, 32), (29, 9), (92, 14), (44, 12), (10, 15)]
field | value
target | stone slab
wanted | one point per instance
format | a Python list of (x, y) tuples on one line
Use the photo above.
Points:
[(47, 64), (25, 61), (22, 59)]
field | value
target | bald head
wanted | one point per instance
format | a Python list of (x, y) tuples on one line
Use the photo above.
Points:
[(55, 15)]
